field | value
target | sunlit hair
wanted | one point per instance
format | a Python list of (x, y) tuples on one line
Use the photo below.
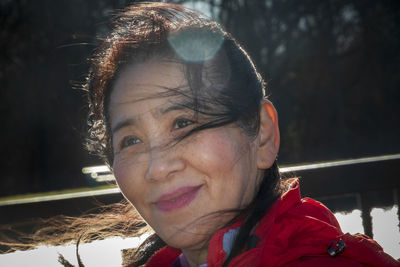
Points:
[(223, 85)]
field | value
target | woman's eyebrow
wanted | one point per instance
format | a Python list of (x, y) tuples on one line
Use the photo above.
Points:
[(170, 108), (123, 124), (159, 112)]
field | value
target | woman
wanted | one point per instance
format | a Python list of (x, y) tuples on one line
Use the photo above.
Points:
[(179, 112)]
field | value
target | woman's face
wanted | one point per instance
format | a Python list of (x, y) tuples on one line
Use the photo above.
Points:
[(173, 185)]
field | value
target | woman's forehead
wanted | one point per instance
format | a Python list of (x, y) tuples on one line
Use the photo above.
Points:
[(167, 82), (148, 78), (144, 81), (149, 86)]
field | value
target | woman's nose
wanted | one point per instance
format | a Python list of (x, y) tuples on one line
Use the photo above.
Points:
[(163, 163)]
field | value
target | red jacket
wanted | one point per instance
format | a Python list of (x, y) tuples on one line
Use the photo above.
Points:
[(295, 232)]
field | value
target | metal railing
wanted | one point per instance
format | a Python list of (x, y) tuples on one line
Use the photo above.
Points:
[(342, 185)]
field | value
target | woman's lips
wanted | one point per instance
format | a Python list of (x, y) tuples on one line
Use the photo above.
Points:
[(177, 198)]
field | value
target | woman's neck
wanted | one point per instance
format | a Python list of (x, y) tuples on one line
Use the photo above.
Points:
[(195, 257)]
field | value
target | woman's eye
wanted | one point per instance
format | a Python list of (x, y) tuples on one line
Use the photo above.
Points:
[(182, 123), (129, 141)]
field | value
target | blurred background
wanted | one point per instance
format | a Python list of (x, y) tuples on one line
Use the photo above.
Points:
[(332, 67)]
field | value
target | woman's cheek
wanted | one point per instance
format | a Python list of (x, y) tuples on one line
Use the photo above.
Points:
[(121, 176), (125, 172), (215, 147)]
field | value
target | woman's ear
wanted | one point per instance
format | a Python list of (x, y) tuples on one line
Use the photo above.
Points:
[(268, 136)]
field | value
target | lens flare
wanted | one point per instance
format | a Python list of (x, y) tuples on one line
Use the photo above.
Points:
[(196, 46)]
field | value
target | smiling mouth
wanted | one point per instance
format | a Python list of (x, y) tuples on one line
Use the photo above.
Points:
[(178, 198)]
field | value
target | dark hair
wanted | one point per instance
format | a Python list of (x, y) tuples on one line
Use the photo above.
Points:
[(224, 85)]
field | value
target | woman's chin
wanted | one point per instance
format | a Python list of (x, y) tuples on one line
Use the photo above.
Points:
[(194, 234), (188, 241)]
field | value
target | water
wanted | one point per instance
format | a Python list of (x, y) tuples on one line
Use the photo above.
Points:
[(385, 227)]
